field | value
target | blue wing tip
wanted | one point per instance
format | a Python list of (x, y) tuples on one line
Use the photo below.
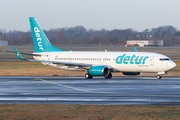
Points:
[(135, 49), (18, 54)]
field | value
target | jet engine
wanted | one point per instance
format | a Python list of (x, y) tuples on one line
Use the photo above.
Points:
[(99, 71)]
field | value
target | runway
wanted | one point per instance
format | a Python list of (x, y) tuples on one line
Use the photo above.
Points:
[(78, 90)]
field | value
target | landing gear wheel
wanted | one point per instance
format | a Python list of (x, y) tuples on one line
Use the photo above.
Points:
[(159, 77), (109, 76), (88, 76)]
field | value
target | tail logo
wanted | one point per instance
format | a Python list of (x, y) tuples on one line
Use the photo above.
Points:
[(37, 34)]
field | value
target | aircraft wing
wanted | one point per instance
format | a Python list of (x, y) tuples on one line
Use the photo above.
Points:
[(63, 63), (83, 65), (20, 52), (54, 62)]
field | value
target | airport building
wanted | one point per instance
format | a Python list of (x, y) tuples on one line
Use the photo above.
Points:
[(3, 43), (143, 43)]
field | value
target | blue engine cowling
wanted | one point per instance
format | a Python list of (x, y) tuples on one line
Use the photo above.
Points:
[(98, 71), (131, 73)]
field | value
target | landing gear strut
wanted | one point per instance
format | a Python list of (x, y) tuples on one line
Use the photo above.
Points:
[(109, 76), (159, 77), (88, 76)]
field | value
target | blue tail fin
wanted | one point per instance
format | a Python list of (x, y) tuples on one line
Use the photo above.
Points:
[(41, 42)]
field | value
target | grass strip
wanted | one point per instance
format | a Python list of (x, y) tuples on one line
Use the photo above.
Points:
[(89, 112)]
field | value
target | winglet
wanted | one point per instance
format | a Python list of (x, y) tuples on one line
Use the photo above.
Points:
[(18, 54), (135, 49)]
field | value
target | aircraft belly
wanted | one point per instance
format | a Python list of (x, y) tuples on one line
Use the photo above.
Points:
[(127, 68)]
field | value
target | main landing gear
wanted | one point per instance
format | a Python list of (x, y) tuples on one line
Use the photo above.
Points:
[(109, 76), (159, 77), (88, 76)]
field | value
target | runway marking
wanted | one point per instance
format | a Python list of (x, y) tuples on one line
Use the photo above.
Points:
[(71, 87), (63, 85), (125, 94)]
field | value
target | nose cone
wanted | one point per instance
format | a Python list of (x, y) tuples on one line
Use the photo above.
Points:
[(171, 65)]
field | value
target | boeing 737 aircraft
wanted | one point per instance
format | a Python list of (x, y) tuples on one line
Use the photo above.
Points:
[(96, 63)]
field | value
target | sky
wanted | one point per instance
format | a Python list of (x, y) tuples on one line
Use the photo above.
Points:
[(92, 14)]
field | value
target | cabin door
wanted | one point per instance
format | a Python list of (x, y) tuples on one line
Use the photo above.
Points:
[(151, 61)]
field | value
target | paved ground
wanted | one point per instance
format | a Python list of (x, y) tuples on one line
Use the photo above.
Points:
[(77, 90)]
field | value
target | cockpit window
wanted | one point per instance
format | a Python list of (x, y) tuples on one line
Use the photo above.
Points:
[(164, 59)]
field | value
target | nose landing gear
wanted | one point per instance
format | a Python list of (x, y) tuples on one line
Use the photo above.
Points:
[(159, 77)]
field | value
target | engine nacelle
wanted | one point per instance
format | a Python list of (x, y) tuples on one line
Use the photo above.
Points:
[(98, 71), (131, 73)]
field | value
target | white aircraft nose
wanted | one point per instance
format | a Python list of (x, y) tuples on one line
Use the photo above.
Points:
[(171, 65)]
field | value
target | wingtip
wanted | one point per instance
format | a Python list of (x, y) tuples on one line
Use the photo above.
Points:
[(18, 54), (135, 49)]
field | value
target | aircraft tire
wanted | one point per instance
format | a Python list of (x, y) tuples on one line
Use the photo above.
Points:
[(159, 77), (109, 76), (88, 76)]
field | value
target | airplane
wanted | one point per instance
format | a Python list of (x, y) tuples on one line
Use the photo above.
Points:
[(95, 63)]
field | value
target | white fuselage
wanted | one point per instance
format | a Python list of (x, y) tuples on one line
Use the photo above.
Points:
[(119, 61)]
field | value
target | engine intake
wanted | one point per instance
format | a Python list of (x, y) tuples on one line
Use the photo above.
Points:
[(98, 71)]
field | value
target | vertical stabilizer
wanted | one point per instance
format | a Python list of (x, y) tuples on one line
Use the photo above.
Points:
[(41, 42)]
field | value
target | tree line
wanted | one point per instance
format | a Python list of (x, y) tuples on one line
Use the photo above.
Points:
[(81, 36)]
